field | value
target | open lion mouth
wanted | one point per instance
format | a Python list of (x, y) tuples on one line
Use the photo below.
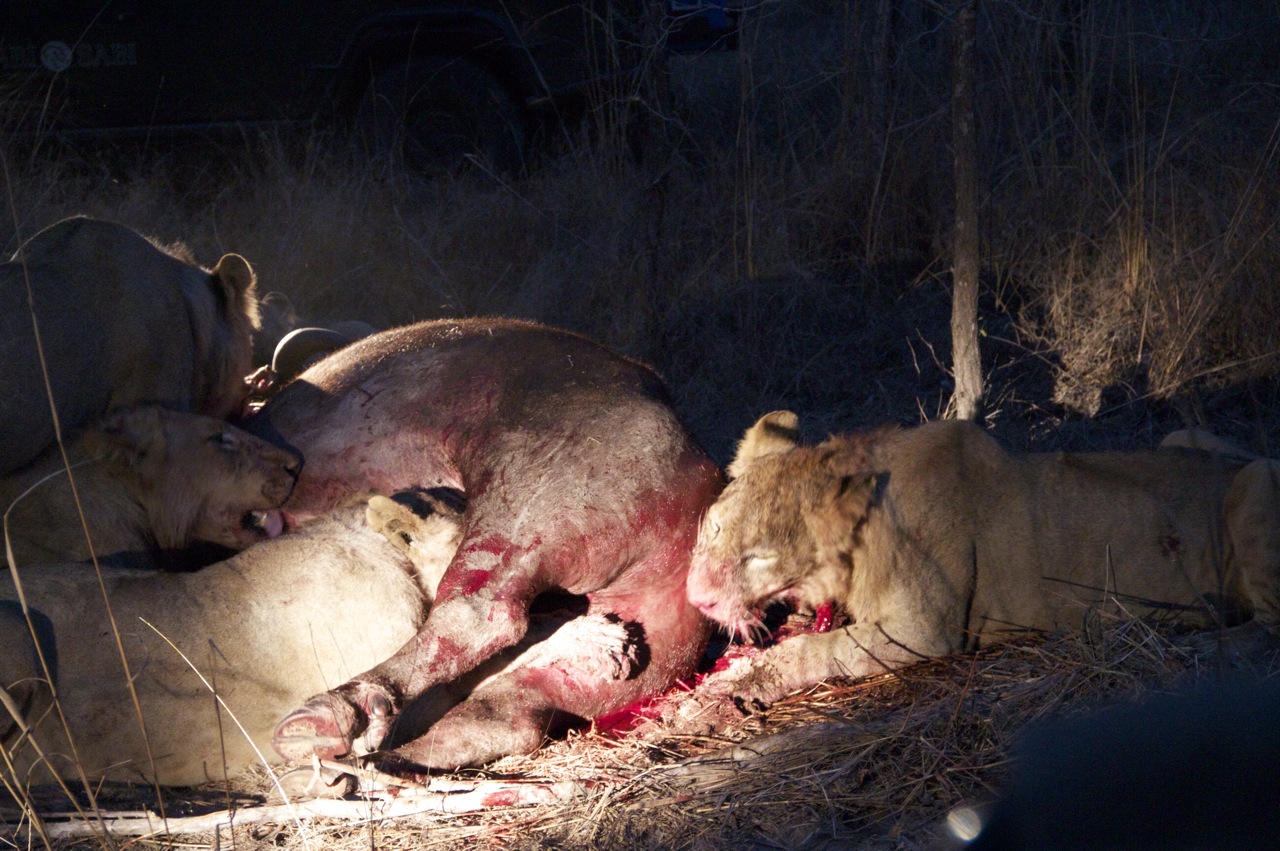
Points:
[(786, 615), (268, 524)]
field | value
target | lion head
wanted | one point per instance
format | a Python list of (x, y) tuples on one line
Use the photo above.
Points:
[(123, 320), (197, 478), (785, 526), (224, 335)]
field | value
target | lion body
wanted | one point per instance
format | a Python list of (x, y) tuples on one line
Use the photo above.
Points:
[(121, 322), (149, 481), (266, 628), (935, 540)]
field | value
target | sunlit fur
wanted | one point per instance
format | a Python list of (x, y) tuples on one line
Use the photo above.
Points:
[(935, 540), (148, 479), (266, 628), (122, 321), (783, 529)]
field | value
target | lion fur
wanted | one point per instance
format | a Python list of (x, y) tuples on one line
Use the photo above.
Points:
[(148, 480), (121, 321), (935, 540), (263, 629)]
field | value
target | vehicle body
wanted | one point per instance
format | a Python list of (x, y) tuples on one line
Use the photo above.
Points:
[(480, 68)]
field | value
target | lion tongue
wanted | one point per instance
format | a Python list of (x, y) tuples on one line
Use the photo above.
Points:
[(269, 523), (822, 617)]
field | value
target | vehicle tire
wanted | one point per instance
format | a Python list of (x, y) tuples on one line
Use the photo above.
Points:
[(437, 114)]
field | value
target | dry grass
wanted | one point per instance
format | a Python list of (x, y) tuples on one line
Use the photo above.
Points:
[(1129, 233), (874, 764), (1129, 237)]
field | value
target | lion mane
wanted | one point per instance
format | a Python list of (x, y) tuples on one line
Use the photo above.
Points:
[(121, 321), (934, 539)]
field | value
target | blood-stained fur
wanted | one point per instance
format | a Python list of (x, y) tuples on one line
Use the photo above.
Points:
[(579, 479), (121, 322), (148, 482), (265, 628)]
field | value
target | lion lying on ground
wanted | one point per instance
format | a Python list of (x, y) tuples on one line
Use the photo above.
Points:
[(267, 627), (151, 481), (121, 321), (933, 540)]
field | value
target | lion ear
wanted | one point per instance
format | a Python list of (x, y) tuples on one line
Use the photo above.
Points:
[(775, 432), (124, 438), (235, 279)]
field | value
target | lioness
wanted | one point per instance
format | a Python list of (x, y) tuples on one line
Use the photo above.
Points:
[(266, 628), (150, 481), (933, 540), (121, 321)]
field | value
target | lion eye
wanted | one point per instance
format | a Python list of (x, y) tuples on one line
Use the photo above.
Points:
[(224, 440), (759, 561)]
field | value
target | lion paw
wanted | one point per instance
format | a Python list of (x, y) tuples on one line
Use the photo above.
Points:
[(700, 714), (722, 700)]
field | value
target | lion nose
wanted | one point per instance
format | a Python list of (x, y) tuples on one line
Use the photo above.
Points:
[(701, 599), (293, 466), (708, 609)]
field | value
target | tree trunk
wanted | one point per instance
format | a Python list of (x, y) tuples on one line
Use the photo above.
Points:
[(966, 360)]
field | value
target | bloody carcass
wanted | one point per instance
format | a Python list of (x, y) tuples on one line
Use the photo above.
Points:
[(580, 480)]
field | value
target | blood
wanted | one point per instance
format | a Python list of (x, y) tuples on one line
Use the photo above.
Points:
[(650, 708), (823, 617), (505, 798), (476, 580), (494, 545)]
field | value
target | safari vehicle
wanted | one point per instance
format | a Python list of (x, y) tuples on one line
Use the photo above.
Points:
[(416, 80)]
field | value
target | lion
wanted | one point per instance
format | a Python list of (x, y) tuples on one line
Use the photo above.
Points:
[(934, 540), (121, 321), (265, 628), (151, 482)]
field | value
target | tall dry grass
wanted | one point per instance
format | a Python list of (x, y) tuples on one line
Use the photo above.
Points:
[(1140, 202), (1129, 162)]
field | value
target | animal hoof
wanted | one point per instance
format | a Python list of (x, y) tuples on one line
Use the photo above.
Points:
[(328, 724), (380, 713), (313, 729)]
